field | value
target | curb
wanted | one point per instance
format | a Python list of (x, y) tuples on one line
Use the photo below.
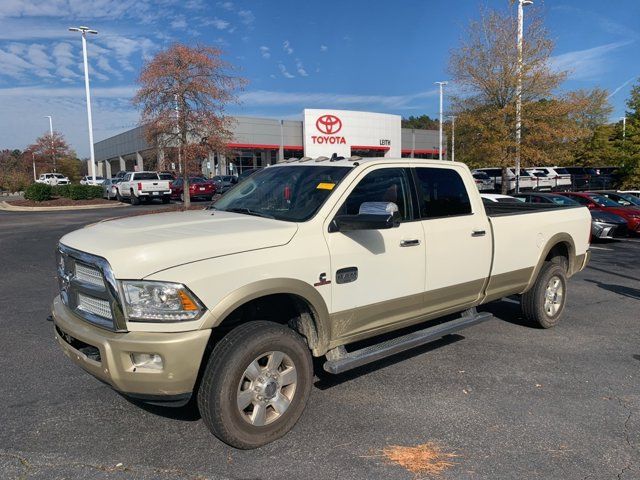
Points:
[(14, 208)]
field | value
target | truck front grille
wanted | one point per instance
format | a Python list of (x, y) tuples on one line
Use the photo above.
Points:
[(89, 275), (94, 305), (88, 288)]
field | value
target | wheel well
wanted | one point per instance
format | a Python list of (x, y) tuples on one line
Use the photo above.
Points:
[(283, 308), (559, 252)]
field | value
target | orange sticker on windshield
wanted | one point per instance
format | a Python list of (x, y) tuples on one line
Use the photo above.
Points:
[(325, 186)]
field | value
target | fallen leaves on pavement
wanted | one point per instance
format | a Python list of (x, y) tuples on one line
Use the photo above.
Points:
[(425, 459)]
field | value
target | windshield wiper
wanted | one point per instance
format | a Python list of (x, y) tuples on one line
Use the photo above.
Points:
[(248, 211)]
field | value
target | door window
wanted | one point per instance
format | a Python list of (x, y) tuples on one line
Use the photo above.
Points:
[(441, 193), (382, 185)]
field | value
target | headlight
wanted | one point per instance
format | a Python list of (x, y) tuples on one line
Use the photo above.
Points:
[(146, 301)]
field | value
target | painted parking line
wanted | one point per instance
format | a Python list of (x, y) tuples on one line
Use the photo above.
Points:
[(632, 240), (600, 248)]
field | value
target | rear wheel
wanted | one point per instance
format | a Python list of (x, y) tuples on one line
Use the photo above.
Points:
[(134, 200), (256, 384), (119, 197), (544, 303), (166, 199)]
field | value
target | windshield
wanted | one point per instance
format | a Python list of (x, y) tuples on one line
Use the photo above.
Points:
[(292, 193), (629, 198), (197, 180), (560, 200), (603, 201)]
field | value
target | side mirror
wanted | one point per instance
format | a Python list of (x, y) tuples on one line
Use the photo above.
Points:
[(372, 216)]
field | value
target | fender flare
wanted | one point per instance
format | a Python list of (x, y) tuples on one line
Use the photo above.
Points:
[(555, 240), (272, 286)]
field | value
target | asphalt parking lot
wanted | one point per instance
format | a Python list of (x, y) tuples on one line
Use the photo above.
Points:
[(511, 401)]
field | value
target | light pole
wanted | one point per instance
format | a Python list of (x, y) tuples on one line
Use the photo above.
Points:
[(521, 4), (33, 160), (442, 84), (453, 138), (53, 154), (624, 128), (84, 31)]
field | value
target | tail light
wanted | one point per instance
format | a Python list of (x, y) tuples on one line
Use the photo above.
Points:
[(139, 185), (287, 192)]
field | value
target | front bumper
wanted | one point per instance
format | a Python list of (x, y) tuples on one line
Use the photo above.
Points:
[(107, 356), (606, 230)]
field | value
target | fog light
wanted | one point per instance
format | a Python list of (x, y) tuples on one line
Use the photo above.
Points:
[(152, 361)]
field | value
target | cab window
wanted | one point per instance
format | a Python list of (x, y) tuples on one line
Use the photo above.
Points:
[(382, 185), (441, 193)]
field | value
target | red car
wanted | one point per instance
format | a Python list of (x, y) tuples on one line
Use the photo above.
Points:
[(595, 201), (198, 188)]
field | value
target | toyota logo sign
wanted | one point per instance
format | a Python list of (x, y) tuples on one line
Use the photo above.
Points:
[(328, 124)]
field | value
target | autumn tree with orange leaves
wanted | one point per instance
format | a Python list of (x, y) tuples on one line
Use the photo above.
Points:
[(183, 95)]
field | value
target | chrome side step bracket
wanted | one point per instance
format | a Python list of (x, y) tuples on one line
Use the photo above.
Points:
[(339, 360)]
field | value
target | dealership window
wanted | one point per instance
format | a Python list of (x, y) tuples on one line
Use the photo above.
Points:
[(293, 153), (441, 193), (367, 153)]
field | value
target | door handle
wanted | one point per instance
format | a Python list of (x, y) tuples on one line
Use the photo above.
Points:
[(478, 233), (410, 243)]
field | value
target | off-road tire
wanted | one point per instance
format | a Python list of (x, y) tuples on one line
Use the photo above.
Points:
[(217, 395), (533, 301), (134, 200), (166, 199)]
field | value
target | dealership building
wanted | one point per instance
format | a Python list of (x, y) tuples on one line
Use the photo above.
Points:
[(259, 142)]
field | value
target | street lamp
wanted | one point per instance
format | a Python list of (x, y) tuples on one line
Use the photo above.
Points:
[(84, 31), (442, 84), (53, 154), (624, 128), (521, 4), (453, 138)]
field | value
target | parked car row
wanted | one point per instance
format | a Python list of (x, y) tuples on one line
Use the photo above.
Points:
[(613, 214), (550, 179), (146, 186)]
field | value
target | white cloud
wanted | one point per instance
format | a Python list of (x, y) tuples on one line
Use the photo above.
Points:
[(179, 22), (586, 64), (323, 48), (265, 52), (283, 70), (300, 68), (65, 59), (246, 16), (112, 114), (286, 46), (226, 5), (266, 98)]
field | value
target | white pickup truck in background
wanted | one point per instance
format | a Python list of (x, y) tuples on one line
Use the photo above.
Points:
[(302, 259), (139, 186)]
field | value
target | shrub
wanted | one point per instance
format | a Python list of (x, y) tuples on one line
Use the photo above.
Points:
[(61, 191), (84, 192), (38, 192)]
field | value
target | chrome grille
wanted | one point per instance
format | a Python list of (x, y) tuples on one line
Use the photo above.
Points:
[(89, 275), (94, 305), (89, 289)]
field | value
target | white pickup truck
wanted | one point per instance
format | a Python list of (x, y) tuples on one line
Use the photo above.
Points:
[(143, 186), (302, 259)]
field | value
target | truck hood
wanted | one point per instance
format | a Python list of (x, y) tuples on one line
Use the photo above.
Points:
[(138, 246)]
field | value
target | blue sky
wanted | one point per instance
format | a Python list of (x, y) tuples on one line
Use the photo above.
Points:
[(352, 54)]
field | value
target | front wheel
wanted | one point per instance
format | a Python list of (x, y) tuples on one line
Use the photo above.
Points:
[(256, 384), (544, 303)]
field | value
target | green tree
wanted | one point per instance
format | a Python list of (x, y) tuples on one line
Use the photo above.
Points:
[(630, 145), (424, 122)]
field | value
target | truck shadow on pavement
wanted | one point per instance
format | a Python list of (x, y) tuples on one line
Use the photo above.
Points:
[(619, 289), (508, 310), (187, 413), (327, 380)]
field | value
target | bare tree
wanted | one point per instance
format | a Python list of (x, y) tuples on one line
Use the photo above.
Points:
[(183, 94)]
